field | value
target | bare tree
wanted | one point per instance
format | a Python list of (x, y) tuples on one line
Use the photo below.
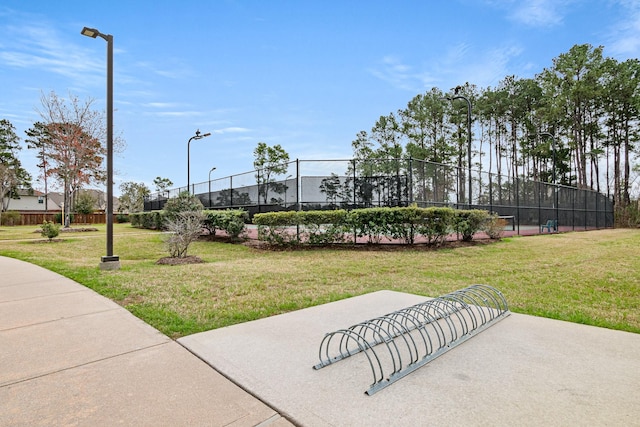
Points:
[(184, 229), (74, 142)]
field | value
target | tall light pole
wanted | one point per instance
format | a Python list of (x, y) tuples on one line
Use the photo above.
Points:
[(110, 261), (458, 96), (198, 135), (553, 172), (212, 169)]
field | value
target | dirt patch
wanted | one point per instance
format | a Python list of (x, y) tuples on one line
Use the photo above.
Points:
[(180, 261), (129, 300)]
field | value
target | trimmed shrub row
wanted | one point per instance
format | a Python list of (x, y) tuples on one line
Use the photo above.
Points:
[(316, 227), (402, 223), (231, 221), (152, 220)]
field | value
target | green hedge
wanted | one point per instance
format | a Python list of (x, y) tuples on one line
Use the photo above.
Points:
[(9, 218), (231, 221), (153, 220), (335, 226), (469, 222), (275, 227), (375, 224), (323, 227)]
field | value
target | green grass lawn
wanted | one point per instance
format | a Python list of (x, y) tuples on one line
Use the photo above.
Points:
[(586, 277)]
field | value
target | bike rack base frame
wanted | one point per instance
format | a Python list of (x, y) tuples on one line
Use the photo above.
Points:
[(407, 339)]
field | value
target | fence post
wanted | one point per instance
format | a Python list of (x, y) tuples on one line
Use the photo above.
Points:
[(298, 186), (518, 202), (258, 182), (297, 196), (410, 183), (576, 193), (586, 206), (354, 183)]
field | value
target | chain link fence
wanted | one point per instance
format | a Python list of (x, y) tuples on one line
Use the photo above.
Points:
[(350, 184)]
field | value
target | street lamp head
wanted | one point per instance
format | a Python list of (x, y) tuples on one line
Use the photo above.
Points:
[(200, 135), (90, 32), (93, 33)]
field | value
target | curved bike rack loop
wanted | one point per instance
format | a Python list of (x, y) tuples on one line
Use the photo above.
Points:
[(402, 341)]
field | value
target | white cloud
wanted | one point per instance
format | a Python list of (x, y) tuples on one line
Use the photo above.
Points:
[(402, 76), (460, 63), (538, 13), (534, 13), (231, 130), (624, 37), (176, 114), (493, 65), (30, 43), (161, 104)]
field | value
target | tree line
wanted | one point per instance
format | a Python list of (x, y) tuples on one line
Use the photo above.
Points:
[(69, 140), (575, 123)]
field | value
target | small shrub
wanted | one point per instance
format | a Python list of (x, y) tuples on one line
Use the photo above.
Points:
[(50, 230), (435, 224), (234, 224), (10, 218), (469, 222), (628, 216), (152, 220), (122, 218), (136, 219), (274, 227), (370, 222), (85, 203), (231, 221), (185, 202), (324, 227), (494, 226), (184, 228)]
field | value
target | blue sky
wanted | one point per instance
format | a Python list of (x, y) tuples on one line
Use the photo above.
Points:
[(307, 75)]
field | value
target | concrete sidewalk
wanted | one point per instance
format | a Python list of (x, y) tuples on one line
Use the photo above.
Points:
[(69, 356), (522, 371)]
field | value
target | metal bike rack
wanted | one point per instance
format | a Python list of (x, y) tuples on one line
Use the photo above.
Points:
[(407, 339)]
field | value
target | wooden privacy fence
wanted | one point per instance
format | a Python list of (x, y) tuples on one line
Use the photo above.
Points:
[(39, 218)]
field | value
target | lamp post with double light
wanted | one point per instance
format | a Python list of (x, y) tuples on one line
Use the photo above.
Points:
[(198, 135), (110, 261)]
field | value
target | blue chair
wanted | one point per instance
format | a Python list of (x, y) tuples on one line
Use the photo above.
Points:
[(550, 224)]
